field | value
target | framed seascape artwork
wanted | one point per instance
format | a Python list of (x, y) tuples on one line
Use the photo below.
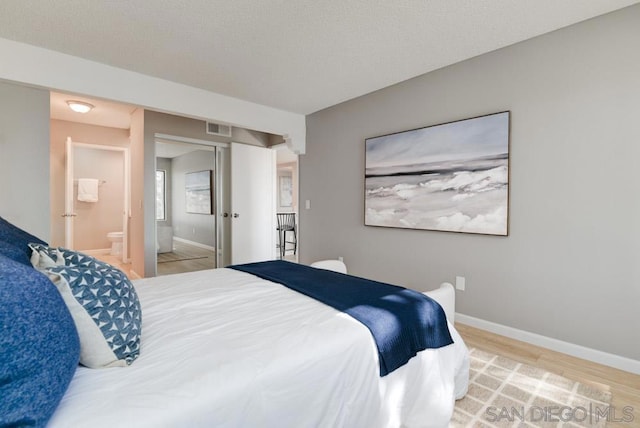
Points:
[(198, 187), (450, 177)]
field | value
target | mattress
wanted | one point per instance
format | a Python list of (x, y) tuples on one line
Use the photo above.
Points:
[(224, 348)]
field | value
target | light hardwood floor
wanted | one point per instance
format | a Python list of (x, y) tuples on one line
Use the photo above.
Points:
[(624, 386), (202, 259), (196, 258)]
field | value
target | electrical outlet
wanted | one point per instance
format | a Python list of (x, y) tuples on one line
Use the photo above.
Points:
[(460, 283)]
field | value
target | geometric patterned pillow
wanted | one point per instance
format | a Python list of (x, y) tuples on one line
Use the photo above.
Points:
[(106, 310), (43, 256)]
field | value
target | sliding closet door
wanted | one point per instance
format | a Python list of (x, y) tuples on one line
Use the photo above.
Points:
[(253, 215)]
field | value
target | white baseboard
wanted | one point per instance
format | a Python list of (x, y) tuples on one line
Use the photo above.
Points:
[(195, 244), (600, 357), (97, 252)]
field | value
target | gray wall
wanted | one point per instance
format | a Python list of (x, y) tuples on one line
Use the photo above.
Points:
[(96, 219), (193, 227), (24, 158), (569, 269), (194, 128)]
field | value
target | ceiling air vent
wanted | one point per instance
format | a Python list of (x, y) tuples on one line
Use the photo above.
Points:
[(218, 129)]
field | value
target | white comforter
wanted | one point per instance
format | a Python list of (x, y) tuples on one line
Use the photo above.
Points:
[(222, 348)]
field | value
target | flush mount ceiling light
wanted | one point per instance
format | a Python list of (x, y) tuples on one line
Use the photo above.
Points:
[(80, 106)]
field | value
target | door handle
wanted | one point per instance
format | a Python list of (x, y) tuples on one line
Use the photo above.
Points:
[(236, 215), (225, 215)]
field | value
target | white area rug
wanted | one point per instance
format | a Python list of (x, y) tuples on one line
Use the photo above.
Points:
[(505, 393)]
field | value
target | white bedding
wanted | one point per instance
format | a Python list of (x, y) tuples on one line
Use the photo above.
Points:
[(222, 348)]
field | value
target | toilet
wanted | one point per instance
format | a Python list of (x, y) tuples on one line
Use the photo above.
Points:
[(116, 243)]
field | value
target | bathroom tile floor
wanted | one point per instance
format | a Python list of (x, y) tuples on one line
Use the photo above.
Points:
[(116, 262)]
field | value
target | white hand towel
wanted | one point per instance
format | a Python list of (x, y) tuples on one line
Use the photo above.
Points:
[(88, 189)]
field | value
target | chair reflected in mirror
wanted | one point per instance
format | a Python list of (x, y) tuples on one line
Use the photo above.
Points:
[(287, 224)]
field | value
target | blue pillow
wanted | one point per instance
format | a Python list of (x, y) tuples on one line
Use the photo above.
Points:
[(13, 235), (14, 253), (39, 343), (105, 308)]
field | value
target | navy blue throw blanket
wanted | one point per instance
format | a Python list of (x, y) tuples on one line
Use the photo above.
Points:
[(402, 321)]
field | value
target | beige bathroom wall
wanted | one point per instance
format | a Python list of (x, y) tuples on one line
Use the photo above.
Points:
[(83, 133)]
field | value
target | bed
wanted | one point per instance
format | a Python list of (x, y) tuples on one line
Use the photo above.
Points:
[(225, 348)]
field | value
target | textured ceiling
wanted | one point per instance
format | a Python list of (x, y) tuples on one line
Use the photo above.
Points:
[(300, 56)]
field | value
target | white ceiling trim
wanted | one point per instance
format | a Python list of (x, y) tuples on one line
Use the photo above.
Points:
[(44, 68)]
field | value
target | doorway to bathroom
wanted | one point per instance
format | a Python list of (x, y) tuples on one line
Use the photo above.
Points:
[(97, 195)]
